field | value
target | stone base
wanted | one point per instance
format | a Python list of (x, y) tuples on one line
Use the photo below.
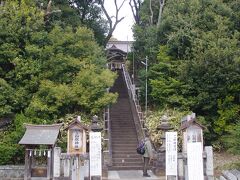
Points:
[(96, 178), (105, 173), (159, 164), (158, 171)]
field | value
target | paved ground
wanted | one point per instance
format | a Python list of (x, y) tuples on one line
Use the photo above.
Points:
[(131, 175)]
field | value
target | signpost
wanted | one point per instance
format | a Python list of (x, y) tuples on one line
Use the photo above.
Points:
[(171, 154), (95, 154), (195, 161)]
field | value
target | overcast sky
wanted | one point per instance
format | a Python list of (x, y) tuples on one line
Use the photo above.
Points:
[(123, 31)]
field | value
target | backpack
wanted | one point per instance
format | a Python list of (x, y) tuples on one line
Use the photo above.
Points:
[(141, 148)]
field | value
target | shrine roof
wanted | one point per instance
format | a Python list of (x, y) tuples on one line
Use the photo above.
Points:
[(77, 123), (40, 134), (115, 50), (191, 122)]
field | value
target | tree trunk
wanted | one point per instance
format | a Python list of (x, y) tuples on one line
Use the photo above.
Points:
[(162, 3), (135, 7), (151, 11), (112, 25)]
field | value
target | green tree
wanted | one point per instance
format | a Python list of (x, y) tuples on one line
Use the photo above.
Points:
[(46, 73), (200, 69), (6, 98), (166, 88)]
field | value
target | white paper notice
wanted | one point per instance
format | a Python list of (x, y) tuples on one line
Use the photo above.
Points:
[(171, 153), (195, 161), (95, 154), (77, 139)]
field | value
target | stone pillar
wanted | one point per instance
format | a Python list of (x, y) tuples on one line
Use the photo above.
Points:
[(56, 161), (180, 168), (49, 163), (27, 165), (66, 167), (209, 162)]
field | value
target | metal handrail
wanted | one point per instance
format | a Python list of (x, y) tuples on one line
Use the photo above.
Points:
[(135, 100), (109, 137)]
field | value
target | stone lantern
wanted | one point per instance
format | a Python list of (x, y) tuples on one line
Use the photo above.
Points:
[(77, 139), (164, 127), (159, 164), (95, 127)]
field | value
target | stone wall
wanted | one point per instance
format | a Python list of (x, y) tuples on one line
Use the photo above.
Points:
[(10, 172)]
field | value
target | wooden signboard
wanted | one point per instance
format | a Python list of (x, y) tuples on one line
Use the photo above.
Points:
[(77, 139)]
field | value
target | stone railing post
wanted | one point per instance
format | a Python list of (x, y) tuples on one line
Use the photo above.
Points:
[(209, 162)]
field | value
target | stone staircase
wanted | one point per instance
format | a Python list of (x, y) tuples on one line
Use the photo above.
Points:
[(124, 136)]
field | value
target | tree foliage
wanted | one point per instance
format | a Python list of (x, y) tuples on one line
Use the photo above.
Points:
[(47, 73), (197, 66)]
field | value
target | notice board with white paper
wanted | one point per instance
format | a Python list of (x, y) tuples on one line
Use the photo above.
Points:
[(95, 154), (171, 153)]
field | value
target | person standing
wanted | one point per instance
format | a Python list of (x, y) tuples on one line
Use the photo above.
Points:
[(147, 156)]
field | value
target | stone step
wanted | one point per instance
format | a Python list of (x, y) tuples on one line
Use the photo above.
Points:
[(125, 118), (123, 131), (133, 155), (127, 125), (124, 127), (124, 152), (125, 168), (130, 131), (131, 135), (131, 164), (133, 145), (127, 139), (124, 139), (126, 142), (123, 124), (119, 160), (125, 145), (115, 144), (125, 149)]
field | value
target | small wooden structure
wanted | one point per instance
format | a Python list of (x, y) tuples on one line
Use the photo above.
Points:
[(192, 131), (77, 140), (39, 141), (116, 57)]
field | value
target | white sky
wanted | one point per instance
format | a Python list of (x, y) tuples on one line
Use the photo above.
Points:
[(123, 30)]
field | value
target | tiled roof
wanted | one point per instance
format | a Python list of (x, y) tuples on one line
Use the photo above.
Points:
[(40, 134), (190, 123)]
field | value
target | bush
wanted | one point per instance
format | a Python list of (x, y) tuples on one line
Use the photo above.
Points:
[(11, 152), (154, 120)]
